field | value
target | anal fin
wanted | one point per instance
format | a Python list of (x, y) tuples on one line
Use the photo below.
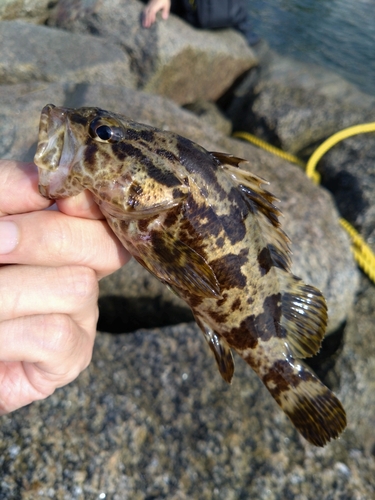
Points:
[(222, 352)]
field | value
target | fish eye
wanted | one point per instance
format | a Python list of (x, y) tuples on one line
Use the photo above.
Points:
[(105, 132)]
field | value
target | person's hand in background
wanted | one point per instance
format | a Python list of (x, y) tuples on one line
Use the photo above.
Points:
[(152, 8), (50, 264)]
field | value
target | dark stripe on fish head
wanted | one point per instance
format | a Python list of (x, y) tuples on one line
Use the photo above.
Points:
[(139, 135), (89, 154), (161, 175), (168, 155)]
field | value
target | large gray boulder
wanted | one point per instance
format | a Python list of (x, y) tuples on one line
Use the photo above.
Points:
[(295, 105), (171, 58), (31, 52)]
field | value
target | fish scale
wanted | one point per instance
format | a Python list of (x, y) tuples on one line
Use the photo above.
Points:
[(204, 225)]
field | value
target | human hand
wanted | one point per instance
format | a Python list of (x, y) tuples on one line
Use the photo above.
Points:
[(50, 263), (152, 8)]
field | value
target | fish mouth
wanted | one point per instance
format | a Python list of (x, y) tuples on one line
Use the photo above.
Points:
[(55, 151)]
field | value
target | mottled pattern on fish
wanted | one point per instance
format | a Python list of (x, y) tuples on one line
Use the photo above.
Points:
[(208, 229)]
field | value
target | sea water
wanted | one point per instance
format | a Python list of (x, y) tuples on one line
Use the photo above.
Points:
[(338, 34)]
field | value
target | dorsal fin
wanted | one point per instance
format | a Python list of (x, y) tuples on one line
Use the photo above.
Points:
[(261, 203)]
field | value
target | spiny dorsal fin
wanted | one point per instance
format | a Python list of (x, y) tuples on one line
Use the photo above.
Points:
[(261, 203)]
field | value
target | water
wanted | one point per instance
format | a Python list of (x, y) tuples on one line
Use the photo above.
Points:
[(338, 34)]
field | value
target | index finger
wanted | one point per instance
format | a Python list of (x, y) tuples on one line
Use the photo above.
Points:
[(19, 193), (19, 188), (82, 205)]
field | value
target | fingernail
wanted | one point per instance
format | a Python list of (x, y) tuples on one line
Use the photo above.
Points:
[(9, 236)]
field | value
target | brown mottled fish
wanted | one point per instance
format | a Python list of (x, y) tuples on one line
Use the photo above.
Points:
[(209, 230)]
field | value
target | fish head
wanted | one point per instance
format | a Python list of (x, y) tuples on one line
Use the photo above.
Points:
[(64, 136), (118, 160)]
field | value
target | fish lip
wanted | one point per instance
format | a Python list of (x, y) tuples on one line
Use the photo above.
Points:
[(55, 150), (51, 120)]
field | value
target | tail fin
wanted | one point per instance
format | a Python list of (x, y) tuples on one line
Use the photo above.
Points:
[(314, 410)]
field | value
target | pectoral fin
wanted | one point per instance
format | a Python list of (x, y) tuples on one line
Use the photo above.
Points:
[(178, 265)]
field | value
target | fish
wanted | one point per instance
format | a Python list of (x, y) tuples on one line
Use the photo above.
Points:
[(206, 227)]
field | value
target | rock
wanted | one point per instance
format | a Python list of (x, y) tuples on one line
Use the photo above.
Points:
[(30, 52), (311, 220), (171, 58), (29, 10), (348, 171), (21, 106), (295, 105), (117, 21), (211, 115), (356, 367), (152, 418)]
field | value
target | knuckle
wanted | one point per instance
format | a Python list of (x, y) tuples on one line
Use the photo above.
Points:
[(58, 333), (83, 283), (69, 345), (79, 284)]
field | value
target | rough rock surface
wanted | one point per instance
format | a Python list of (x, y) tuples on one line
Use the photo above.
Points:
[(169, 58), (310, 218), (30, 10), (152, 418), (348, 171), (70, 57), (295, 105)]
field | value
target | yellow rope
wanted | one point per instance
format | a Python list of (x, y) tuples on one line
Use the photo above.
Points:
[(362, 252), (330, 142), (272, 149)]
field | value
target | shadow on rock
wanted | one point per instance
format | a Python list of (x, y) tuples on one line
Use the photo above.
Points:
[(120, 315), (324, 362)]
